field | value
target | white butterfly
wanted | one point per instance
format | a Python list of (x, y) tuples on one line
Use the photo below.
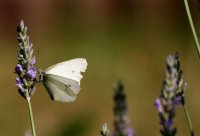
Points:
[(62, 80)]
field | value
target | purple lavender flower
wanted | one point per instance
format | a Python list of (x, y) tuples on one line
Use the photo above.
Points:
[(18, 68), (32, 73), (172, 94), (121, 119), (158, 105), (19, 84), (26, 64), (130, 132)]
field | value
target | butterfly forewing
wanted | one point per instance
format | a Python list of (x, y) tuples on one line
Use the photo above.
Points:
[(69, 69)]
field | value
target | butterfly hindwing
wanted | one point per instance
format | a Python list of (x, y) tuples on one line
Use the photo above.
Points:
[(74, 85), (59, 90)]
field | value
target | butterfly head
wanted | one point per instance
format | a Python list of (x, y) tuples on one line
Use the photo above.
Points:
[(41, 75)]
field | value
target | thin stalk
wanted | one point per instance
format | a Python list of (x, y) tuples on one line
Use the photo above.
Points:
[(31, 116), (188, 120), (192, 26)]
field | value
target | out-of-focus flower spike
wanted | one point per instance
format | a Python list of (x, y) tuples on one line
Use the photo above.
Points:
[(167, 103), (121, 119)]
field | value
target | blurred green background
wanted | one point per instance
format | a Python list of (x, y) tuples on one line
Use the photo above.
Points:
[(121, 39)]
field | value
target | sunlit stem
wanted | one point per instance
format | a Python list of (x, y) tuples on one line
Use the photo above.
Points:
[(31, 116), (188, 120), (192, 26)]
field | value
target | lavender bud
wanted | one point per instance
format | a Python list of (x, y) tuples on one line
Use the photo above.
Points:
[(158, 105), (104, 130), (25, 29), (32, 73), (33, 91), (21, 46), (30, 47), (184, 87), (25, 83), (21, 37), (31, 53), (18, 68), (20, 85), (22, 93), (22, 24)]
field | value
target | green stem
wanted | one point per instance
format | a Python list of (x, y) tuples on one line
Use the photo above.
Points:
[(188, 120), (31, 116), (192, 26)]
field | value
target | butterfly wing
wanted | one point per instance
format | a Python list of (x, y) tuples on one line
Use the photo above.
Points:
[(61, 89), (62, 80), (69, 69)]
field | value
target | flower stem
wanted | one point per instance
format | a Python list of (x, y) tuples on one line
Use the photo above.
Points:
[(188, 120), (31, 116), (192, 26)]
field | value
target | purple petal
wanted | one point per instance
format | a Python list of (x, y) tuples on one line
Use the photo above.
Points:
[(33, 91), (32, 73), (130, 132), (158, 105), (19, 84), (169, 123), (33, 60), (17, 80), (184, 86), (18, 68), (176, 102)]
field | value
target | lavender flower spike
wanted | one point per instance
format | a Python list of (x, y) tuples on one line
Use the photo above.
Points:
[(25, 68), (121, 119), (171, 95)]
